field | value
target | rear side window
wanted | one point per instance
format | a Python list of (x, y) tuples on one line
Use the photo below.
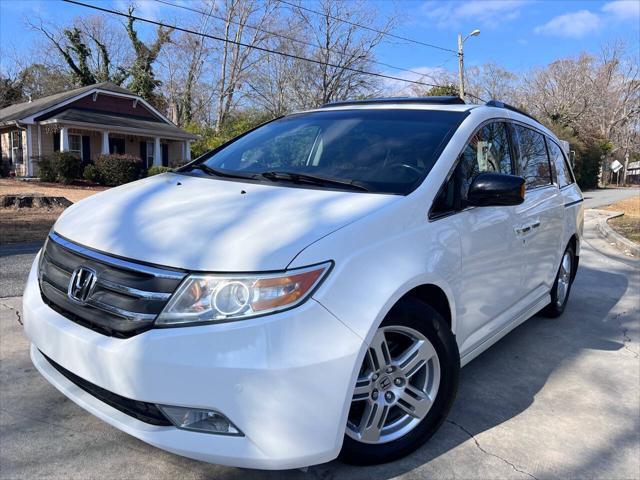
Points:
[(488, 150), (563, 171), (533, 161)]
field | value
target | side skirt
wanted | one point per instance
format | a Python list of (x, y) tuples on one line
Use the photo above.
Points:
[(528, 313)]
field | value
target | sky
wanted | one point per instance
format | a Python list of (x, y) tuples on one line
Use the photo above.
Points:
[(516, 34)]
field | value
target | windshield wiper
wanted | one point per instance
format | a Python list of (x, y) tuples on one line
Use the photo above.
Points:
[(218, 173), (312, 179)]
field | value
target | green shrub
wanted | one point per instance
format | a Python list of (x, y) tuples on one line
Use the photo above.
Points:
[(63, 167), (46, 170), (118, 169), (91, 173), (157, 170), (67, 166)]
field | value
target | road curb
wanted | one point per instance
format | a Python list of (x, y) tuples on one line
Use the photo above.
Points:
[(603, 227)]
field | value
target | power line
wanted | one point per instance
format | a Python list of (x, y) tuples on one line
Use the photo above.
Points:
[(381, 32), (242, 44), (279, 35)]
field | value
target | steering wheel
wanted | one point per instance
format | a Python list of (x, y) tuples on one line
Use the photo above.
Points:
[(396, 166)]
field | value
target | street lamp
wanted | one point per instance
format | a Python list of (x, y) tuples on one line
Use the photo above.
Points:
[(475, 33)]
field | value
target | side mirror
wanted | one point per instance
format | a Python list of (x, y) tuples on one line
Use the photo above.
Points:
[(496, 189)]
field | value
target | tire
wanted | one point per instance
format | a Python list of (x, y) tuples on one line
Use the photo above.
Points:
[(564, 280), (418, 322)]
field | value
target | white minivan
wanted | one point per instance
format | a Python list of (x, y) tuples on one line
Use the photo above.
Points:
[(311, 288)]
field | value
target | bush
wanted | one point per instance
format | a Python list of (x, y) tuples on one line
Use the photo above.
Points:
[(118, 169), (61, 167), (67, 166), (46, 170), (91, 173), (157, 170)]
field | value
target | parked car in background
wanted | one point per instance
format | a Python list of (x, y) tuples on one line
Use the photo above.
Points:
[(313, 287)]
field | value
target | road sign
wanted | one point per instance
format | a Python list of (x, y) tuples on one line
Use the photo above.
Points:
[(616, 166)]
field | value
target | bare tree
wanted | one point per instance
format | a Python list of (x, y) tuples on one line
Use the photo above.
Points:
[(341, 50), (237, 61)]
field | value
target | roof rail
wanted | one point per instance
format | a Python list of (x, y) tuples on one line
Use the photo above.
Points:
[(439, 100), (499, 104)]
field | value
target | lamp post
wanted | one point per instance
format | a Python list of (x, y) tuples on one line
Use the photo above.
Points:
[(461, 41)]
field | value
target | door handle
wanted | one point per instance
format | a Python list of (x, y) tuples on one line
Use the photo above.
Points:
[(527, 227)]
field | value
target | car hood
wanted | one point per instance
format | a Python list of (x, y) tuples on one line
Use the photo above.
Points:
[(198, 223)]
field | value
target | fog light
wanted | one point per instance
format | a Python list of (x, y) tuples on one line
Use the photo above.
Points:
[(199, 420)]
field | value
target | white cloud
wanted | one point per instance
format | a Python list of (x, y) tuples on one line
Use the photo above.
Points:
[(572, 25), (623, 9), (482, 12)]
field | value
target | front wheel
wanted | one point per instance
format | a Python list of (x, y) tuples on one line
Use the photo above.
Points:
[(405, 387), (562, 285)]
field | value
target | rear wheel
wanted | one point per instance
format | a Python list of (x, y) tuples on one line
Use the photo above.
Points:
[(405, 388), (562, 285)]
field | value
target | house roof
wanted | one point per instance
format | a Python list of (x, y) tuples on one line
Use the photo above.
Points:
[(25, 109), (125, 123)]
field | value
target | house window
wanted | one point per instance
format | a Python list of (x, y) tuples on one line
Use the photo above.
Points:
[(75, 144), (150, 152), (16, 146)]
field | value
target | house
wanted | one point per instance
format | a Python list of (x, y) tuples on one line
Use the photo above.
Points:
[(633, 172), (90, 121)]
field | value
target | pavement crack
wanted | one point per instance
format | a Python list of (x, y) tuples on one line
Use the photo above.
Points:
[(626, 339), (14, 311), (475, 440)]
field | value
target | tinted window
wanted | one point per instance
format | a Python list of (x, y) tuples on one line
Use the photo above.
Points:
[(388, 151), (487, 151), (533, 162), (563, 173)]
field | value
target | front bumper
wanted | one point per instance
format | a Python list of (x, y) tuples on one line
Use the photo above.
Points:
[(283, 380)]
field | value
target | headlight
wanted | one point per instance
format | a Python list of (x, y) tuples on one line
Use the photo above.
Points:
[(218, 298)]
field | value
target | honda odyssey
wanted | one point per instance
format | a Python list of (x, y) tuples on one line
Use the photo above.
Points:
[(311, 288)]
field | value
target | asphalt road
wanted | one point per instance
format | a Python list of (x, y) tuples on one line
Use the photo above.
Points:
[(553, 399), (600, 198)]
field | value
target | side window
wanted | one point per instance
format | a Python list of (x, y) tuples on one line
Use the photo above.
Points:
[(561, 164), (487, 151), (533, 162)]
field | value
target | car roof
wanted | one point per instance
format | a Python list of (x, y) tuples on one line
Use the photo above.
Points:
[(443, 104)]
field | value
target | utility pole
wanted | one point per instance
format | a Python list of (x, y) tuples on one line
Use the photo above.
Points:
[(460, 68), (461, 41)]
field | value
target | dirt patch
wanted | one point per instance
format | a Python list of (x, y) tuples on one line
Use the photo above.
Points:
[(627, 225), (74, 193), (26, 224), (33, 224)]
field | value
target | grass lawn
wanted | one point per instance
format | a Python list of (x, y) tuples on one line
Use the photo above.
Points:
[(33, 224), (628, 224)]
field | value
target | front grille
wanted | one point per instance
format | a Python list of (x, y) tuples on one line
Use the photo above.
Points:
[(143, 411), (125, 299)]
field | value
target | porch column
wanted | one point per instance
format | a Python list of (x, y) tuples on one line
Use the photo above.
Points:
[(157, 153), (28, 153), (187, 151), (105, 142), (64, 139)]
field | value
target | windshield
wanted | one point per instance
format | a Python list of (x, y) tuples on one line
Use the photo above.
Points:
[(381, 151)]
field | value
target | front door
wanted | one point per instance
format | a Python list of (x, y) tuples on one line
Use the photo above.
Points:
[(164, 148), (86, 149), (491, 278)]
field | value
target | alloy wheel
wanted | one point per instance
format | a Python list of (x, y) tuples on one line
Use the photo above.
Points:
[(396, 387), (564, 279)]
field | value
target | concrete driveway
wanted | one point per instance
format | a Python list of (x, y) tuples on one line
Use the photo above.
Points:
[(554, 399)]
